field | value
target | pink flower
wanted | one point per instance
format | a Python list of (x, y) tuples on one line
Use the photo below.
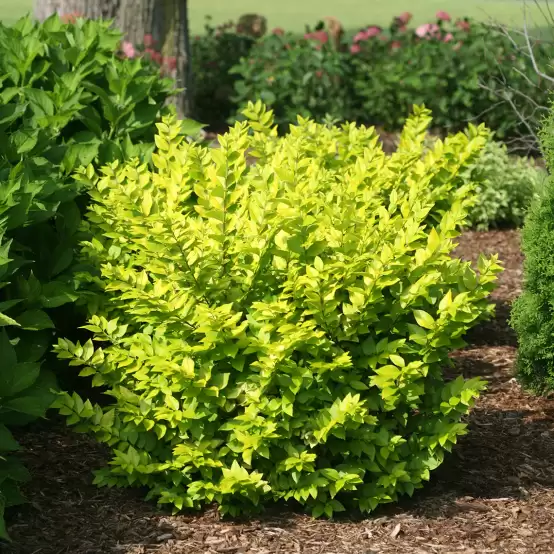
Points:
[(148, 40), (170, 62), (355, 48), (320, 36), (448, 37), (427, 30), (443, 16), (373, 31), (463, 25), (128, 49), (395, 45), (422, 30), (278, 31), (370, 32), (404, 18), (319, 73), (70, 17)]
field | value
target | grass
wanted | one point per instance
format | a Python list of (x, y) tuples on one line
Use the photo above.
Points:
[(294, 14)]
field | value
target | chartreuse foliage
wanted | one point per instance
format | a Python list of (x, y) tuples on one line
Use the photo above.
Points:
[(533, 311), (279, 330), (65, 100)]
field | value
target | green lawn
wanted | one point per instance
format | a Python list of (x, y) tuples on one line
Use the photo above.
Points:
[(294, 14)]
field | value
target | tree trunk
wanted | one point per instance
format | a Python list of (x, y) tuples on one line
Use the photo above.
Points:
[(93, 9), (165, 20), (172, 25), (133, 17)]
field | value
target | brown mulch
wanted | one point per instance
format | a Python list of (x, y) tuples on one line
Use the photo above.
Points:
[(494, 494)]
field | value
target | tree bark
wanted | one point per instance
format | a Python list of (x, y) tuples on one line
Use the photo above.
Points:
[(93, 9), (133, 17), (173, 26), (165, 20)]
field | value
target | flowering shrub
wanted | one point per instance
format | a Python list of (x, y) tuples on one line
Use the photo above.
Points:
[(456, 68), (308, 76), (279, 331), (213, 55), (148, 51)]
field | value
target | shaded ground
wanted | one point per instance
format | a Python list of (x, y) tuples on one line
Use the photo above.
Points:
[(494, 494)]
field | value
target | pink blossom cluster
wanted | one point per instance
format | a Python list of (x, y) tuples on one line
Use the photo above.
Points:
[(319, 36), (433, 30), (363, 35), (426, 31), (129, 51)]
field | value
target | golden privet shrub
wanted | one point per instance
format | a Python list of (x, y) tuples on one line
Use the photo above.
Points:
[(279, 330)]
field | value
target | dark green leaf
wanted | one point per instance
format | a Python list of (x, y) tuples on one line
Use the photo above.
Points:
[(7, 442), (35, 320), (23, 141), (16, 378), (40, 101), (33, 402)]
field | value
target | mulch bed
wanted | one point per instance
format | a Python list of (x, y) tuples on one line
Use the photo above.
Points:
[(494, 494)]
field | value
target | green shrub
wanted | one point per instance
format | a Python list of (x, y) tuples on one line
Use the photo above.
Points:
[(279, 330), (506, 186), (306, 76), (65, 100), (214, 53), (533, 311), (457, 69)]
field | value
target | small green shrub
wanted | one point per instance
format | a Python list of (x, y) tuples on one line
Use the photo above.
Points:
[(65, 100), (25, 394), (533, 311), (506, 186), (280, 330)]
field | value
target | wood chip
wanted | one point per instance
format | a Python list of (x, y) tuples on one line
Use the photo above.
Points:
[(395, 531)]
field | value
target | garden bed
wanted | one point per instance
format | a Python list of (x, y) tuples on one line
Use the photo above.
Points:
[(495, 494)]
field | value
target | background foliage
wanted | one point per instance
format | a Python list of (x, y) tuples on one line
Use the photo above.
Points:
[(214, 53), (506, 186), (296, 76), (458, 70)]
